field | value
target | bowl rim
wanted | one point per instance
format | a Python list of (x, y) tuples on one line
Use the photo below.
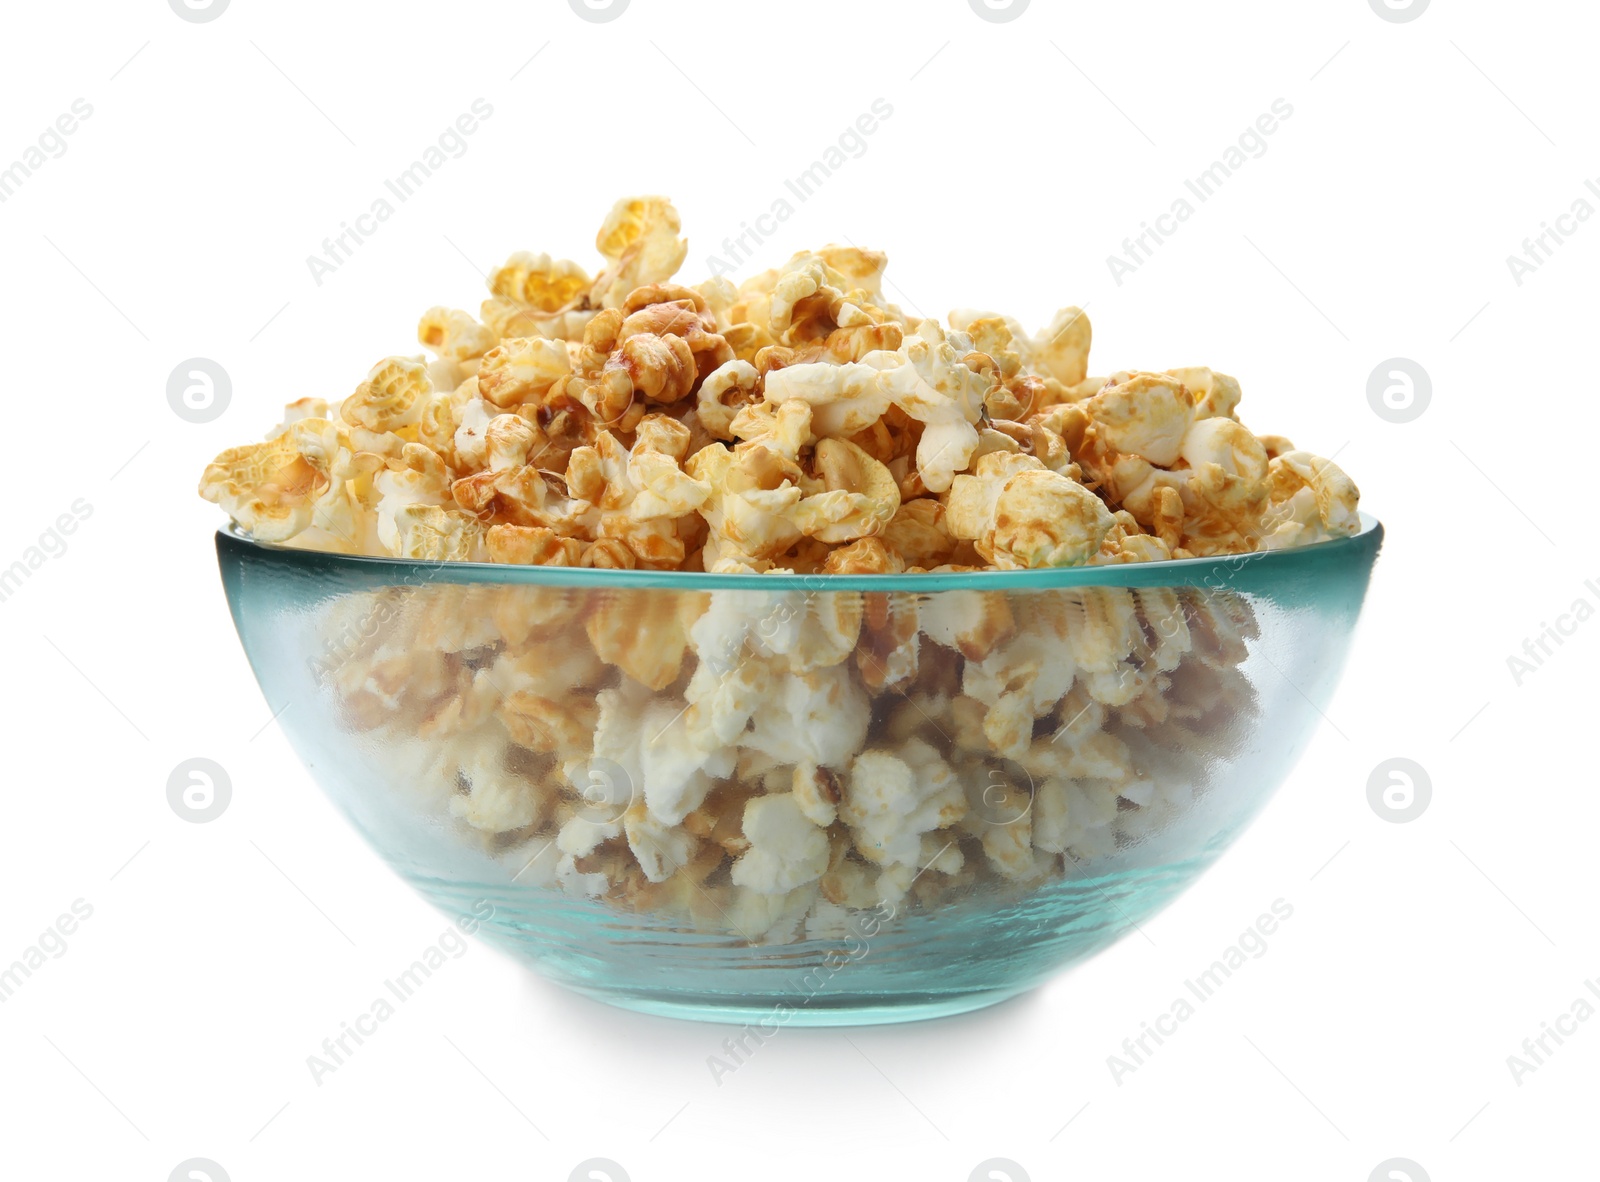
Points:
[(1221, 570)]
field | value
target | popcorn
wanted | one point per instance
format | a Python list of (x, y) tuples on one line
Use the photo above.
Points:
[(393, 396), (1061, 350), (1312, 499), (642, 634), (640, 242), (427, 533), (786, 849), (761, 764), (1021, 515), (522, 369), (736, 380), (538, 282), (860, 500), (418, 480), (267, 488), (720, 759), (892, 798)]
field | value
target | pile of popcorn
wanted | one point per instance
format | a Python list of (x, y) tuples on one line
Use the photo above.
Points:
[(797, 422), (765, 763)]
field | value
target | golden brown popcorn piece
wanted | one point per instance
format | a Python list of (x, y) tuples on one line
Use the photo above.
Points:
[(612, 367), (1167, 515), (643, 633), (918, 533), (519, 613), (1142, 414), (860, 268), (860, 496), (991, 335), (1021, 515), (888, 654), (564, 727), (268, 488), (802, 293), (452, 333), (729, 388), (442, 417), (1311, 499), (1226, 489), (861, 327), (507, 318), (661, 369), (864, 556), (640, 242), (609, 554), (670, 310), (393, 396), (748, 341), (1127, 542), (522, 369), (431, 534), (1061, 350), (539, 282), (531, 545)]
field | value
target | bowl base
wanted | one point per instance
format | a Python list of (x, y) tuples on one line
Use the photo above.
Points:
[(842, 1011)]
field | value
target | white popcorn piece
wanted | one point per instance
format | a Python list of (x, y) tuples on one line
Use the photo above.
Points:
[(786, 849), (820, 718), (659, 849), (892, 798)]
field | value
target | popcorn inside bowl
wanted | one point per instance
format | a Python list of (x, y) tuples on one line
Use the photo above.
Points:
[(762, 764)]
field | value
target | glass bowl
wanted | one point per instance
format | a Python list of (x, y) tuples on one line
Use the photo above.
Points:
[(798, 799)]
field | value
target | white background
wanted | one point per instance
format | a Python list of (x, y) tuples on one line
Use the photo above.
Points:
[(1019, 155)]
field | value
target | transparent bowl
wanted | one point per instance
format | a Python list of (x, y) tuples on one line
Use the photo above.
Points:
[(808, 800)]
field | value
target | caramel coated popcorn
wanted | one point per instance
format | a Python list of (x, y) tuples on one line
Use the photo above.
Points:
[(760, 763), (797, 422)]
